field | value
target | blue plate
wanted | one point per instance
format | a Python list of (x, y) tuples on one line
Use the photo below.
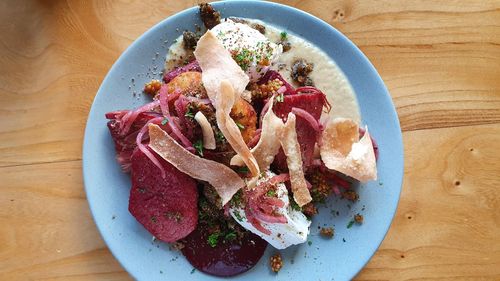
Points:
[(339, 258)]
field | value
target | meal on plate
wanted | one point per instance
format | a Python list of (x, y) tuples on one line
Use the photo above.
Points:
[(249, 130)]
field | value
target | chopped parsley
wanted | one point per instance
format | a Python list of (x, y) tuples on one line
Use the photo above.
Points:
[(238, 216), (294, 204), (193, 270), (241, 127), (283, 35), (189, 113), (220, 137), (236, 200), (213, 239), (280, 98), (349, 225), (230, 236), (271, 193), (244, 58), (309, 242), (164, 121), (198, 145)]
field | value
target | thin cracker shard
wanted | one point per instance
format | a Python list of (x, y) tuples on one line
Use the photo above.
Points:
[(229, 128), (217, 65), (267, 147), (291, 148), (206, 129), (224, 81), (225, 181), (343, 151)]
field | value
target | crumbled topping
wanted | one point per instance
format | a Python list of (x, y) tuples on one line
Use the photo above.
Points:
[(358, 219), (327, 232), (152, 87), (276, 263)]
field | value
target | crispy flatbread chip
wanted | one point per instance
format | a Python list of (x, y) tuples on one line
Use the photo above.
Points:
[(291, 148), (343, 151), (225, 181), (217, 65), (224, 81)]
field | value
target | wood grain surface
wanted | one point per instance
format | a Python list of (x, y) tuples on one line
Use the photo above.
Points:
[(440, 61)]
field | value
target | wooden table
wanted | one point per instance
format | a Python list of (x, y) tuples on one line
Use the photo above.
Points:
[(440, 61)]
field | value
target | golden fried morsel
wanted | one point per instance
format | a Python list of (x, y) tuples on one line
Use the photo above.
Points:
[(189, 84), (245, 117), (276, 262)]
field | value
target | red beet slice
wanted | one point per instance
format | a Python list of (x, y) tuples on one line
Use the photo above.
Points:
[(166, 207), (312, 103), (225, 259)]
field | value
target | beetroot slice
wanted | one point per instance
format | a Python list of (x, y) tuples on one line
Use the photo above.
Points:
[(226, 258), (166, 207), (306, 136)]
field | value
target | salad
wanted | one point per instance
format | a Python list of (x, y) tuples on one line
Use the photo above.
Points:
[(239, 144)]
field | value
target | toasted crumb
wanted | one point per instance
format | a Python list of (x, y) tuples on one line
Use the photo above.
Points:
[(358, 218), (350, 195), (276, 262), (327, 232), (152, 87), (309, 209), (320, 188)]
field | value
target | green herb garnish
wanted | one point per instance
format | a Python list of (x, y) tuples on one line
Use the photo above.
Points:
[(271, 193), (240, 126), (213, 239), (349, 225), (309, 242), (236, 200), (164, 121), (283, 35), (230, 236), (198, 145), (243, 58), (294, 204), (280, 98), (220, 137), (238, 216), (189, 113)]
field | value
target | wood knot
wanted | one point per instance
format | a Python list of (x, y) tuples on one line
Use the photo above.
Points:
[(457, 183), (410, 215), (338, 15)]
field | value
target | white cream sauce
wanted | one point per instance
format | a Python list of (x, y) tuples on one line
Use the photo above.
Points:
[(326, 75)]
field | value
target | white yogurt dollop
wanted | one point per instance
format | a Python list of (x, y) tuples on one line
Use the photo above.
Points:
[(253, 51)]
